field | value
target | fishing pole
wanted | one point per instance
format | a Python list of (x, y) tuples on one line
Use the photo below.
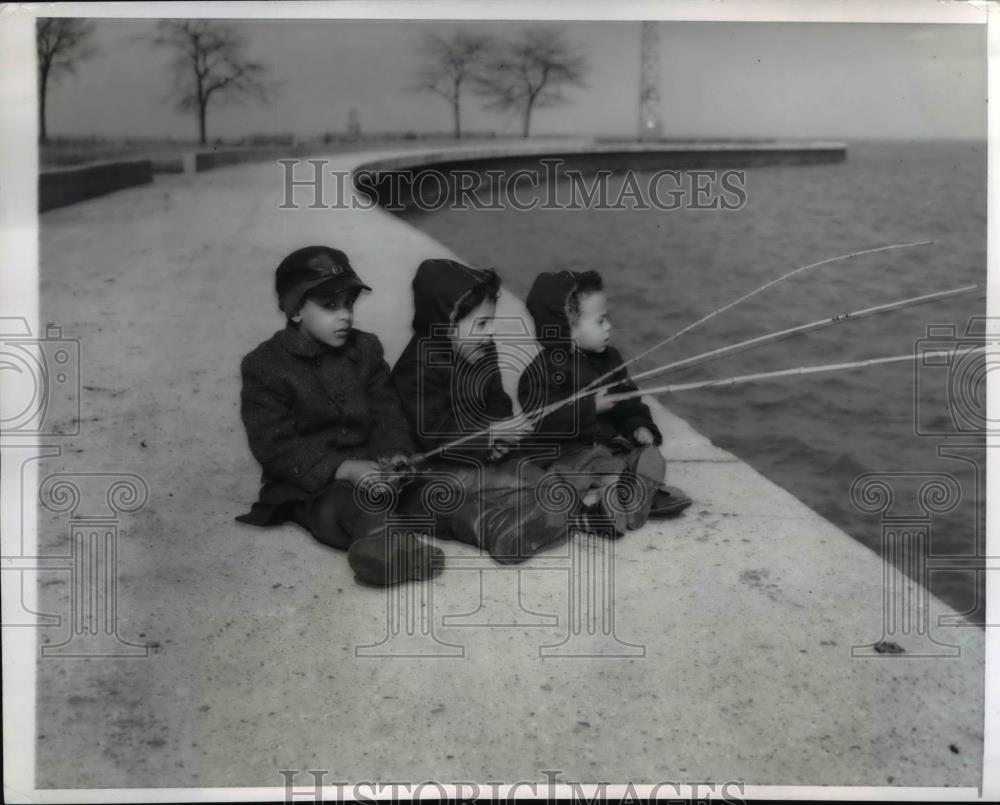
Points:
[(590, 388), (800, 370), (728, 306), (764, 287), (737, 380), (752, 343), (819, 324)]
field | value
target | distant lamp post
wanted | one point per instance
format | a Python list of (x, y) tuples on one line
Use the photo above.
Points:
[(650, 127), (353, 125)]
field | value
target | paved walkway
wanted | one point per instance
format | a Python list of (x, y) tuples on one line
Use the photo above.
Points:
[(734, 623)]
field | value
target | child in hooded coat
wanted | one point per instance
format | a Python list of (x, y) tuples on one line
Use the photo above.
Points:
[(448, 381), (597, 440)]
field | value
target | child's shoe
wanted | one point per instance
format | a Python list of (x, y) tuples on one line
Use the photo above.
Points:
[(593, 520), (668, 501), (644, 476), (393, 558), (516, 533)]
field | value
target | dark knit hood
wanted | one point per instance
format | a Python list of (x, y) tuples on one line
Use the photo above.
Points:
[(437, 287), (546, 303)]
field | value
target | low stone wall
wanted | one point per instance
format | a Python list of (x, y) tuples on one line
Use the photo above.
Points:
[(58, 188), (209, 160), (168, 164)]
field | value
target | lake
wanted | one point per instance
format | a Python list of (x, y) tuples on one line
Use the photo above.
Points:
[(813, 434)]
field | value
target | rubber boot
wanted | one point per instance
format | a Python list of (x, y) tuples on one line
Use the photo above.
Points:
[(669, 501), (382, 559), (515, 533)]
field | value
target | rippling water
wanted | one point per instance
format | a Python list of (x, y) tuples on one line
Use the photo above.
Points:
[(812, 435)]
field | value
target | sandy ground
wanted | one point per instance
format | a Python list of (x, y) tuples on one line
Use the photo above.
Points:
[(733, 624)]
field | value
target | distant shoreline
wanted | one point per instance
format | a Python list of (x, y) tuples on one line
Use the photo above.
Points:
[(73, 151)]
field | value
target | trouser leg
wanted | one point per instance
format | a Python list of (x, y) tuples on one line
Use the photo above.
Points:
[(335, 519), (501, 513), (432, 498), (378, 552)]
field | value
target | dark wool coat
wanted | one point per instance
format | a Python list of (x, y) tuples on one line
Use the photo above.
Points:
[(443, 396), (308, 407), (560, 369)]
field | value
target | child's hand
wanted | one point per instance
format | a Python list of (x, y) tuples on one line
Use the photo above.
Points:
[(512, 430), (642, 436), (357, 471), (505, 435), (397, 468), (399, 462), (498, 451), (601, 401)]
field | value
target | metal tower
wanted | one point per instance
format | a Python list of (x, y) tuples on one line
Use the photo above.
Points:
[(650, 127)]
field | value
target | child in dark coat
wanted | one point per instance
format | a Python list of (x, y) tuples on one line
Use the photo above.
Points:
[(322, 419), (449, 383), (571, 323)]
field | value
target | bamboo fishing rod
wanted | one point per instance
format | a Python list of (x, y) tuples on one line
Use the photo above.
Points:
[(737, 301), (733, 349), (819, 324), (799, 370), (753, 343), (591, 387)]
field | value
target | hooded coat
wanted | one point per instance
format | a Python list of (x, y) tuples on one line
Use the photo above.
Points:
[(308, 407), (443, 396), (560, 369)]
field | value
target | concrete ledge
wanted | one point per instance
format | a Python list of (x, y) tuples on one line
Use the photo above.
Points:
[(57, 188), (374, 180), (760, 152)]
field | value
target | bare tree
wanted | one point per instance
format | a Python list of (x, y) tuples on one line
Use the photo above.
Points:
[(450, 63), (209, 64), (530, 73), (61, 43)]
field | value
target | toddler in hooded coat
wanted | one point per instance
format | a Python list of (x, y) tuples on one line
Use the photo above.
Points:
[(611, 448)]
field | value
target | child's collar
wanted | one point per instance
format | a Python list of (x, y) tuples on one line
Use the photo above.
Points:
[(305, 346)]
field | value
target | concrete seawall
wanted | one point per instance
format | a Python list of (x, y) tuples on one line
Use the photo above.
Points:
[(379, 177), (57, 188), (618, 155), (715, 646)]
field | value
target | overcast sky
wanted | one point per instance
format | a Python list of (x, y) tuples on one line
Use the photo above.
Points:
[(717, 79)]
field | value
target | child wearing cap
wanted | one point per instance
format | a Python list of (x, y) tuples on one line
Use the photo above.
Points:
[(322, 419), (449, 383)]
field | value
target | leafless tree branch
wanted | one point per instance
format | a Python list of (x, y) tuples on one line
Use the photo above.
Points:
[(61, 44), (531, 73), (450, 64), (209, 65)]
